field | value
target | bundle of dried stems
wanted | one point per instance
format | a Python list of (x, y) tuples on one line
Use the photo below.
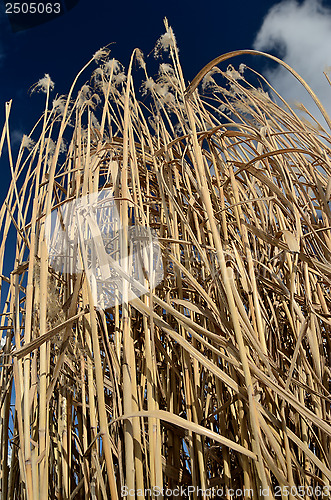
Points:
[(219, 377)]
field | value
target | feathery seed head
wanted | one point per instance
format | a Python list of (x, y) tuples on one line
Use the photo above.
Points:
[(140, 59), (165, 43), (233, 73), (112, 66), (101, 54), (27, 142), (59, 104), (43, 85)]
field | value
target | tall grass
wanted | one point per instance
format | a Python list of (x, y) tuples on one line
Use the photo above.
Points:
[(219, 377)]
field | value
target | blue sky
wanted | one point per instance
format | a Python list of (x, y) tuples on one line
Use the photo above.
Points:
[(299, 31)]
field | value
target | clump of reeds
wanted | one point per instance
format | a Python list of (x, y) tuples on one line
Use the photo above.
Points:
[(217, 378)]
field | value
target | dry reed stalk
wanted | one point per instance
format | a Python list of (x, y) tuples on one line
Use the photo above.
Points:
[(217, 378)]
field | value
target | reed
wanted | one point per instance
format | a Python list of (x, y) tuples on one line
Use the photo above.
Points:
[(219, 376)]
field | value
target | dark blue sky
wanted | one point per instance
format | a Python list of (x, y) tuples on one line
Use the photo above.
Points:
[(62, 46)]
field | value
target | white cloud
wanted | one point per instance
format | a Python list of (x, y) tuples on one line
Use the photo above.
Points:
[(299, 33)]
